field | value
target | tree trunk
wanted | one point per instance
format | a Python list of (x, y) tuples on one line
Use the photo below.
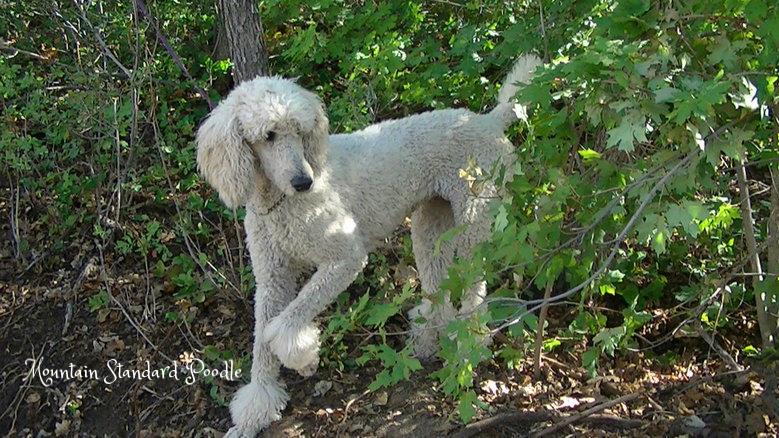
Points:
[(243, 30), (221, 51)]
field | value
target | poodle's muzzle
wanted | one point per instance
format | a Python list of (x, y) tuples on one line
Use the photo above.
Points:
[(285, 164)]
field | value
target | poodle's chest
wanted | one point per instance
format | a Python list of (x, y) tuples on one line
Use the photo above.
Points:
[(316, 235)]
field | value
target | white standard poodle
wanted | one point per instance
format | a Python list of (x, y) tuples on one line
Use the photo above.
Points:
[(319, 203)]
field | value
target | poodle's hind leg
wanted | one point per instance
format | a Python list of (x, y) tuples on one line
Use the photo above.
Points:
[(472, 213), (429, 319)]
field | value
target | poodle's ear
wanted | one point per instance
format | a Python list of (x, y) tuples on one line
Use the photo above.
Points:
[(228, 164), (315, 142)]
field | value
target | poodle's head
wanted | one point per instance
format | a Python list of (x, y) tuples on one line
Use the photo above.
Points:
[(267, 131)]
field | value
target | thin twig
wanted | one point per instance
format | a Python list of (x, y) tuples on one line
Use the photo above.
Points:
[(540, 329), (104, 274), (351, 402), (101, 42), (723, 354), (696, 312), (543, 29), (144, 11), (589, 412), (754, 257), (530, 417), (13, 51)]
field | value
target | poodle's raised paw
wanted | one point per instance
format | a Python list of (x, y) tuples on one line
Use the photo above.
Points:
[(296, 347), (255, 406), (309, 370)]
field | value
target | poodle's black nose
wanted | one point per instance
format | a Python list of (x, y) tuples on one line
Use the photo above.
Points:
[(301, 183)]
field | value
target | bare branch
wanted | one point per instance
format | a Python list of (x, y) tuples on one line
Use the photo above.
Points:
[(754, 257), (773, 249), (144, 11), (13, 51), (540, 330), (593, 410), (723, 354), (99, 38)]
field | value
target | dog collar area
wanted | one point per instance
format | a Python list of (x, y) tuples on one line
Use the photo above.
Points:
[(269, 209)]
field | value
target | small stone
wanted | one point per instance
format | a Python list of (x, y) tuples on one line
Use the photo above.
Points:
[(694, 422), (321, 387)]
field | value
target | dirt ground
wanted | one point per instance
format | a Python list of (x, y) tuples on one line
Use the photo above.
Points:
[(45, 314)]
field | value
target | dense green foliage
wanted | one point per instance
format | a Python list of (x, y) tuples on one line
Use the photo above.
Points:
[(624, 186)]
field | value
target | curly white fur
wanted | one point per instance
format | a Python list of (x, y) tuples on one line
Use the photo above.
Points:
[(267, 136), (255, 406), (296, 348)]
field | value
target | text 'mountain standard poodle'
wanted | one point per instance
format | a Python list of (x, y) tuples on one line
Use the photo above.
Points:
[(320, 202)]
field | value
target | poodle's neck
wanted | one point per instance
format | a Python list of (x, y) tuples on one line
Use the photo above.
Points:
[(268, 198)]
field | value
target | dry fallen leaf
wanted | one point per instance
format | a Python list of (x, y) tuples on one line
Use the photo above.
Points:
[(33, 397), (567, 402), (321, 387), (63, 428)]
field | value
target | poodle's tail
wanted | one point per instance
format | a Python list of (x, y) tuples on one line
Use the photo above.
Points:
[(507, 111)]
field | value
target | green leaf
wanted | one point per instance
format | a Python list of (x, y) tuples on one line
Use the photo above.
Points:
[(631, 128), (382, 380), (551, 344), (687, 293), (465, 407), (731, 144), (590, 360), (589, 154), (98, 301), (615, 275), (698, 99), (686, 215), (609, 338), (607, 289), (666, 94), (632, 8), (768, 288), (501, 219), (756, 10), (378, 314), (658, 241), (725, 52), (633, 320)]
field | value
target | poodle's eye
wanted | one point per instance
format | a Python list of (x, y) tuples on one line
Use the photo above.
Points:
[(270, 136)]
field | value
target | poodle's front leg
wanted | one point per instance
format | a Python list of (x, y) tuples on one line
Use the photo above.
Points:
[(292, 337), (261, 401)]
